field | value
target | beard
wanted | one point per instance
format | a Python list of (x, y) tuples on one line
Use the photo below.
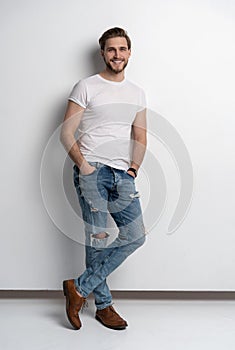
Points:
[(116, 71)]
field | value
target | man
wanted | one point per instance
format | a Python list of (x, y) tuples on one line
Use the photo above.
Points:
[(109, 113)]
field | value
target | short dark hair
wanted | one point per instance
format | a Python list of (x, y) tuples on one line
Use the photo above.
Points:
[(113, 33)]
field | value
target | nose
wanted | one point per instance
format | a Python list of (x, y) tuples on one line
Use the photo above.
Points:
[(117, 54)]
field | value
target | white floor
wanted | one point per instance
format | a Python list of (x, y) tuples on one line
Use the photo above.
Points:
[(33, 324)]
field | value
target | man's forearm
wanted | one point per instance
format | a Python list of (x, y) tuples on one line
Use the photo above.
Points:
[(71, 122), (71, 146), (76, 155), (138, 152), (73, 149)]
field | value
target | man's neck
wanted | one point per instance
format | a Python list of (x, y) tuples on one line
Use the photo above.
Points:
[(109, 75)]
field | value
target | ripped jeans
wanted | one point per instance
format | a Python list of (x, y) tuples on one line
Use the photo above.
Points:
[(107, 191)]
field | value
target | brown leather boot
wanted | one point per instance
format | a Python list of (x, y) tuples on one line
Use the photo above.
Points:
[(74, 303), (110, 318)]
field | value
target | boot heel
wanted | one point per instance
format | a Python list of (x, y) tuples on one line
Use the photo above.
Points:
[(64, 288)]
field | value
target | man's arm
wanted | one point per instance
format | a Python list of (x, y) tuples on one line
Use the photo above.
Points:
[(71, 122), (139, 136)]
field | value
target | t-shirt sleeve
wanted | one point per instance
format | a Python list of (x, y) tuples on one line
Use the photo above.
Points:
[(79, 94)]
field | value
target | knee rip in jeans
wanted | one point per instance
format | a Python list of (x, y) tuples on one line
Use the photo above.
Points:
[(100, 235), (99, 240)]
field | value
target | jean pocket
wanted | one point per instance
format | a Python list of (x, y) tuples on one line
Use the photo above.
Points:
[(94, 164), (129, 176), (87, 175)]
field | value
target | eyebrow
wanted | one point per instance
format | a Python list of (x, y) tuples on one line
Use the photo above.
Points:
[(113, 48)]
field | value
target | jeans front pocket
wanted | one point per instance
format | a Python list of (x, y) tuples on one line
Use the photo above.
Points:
[(129, 176)]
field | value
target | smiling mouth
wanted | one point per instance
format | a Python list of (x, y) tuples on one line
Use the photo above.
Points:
[(117, 61)]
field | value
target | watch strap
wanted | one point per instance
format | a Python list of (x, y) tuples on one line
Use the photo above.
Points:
[(133, 170)]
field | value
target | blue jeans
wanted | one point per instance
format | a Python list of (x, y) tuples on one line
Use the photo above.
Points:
[(107, 191)]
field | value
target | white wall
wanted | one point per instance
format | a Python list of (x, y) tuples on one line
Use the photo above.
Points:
[(183, 55)]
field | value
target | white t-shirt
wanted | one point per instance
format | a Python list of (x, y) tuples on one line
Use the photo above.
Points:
[(104, 133)]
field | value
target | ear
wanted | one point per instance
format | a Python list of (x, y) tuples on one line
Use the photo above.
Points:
[(129, 52), (102, 53)]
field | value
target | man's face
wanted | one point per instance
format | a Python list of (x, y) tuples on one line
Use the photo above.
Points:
[(116, 54)]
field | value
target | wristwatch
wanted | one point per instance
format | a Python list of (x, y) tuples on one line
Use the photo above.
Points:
[(133, 170)]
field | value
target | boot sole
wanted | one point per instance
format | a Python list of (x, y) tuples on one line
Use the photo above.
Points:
[(65, 290), (117, 328)]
